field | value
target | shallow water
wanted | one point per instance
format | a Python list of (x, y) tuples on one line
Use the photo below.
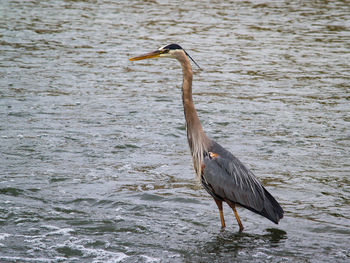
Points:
[(95, 165)]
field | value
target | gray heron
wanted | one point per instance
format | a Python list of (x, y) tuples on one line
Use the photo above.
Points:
[(222, 175)]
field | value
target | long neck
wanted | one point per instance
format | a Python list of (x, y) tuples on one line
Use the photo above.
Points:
[(197, 139)]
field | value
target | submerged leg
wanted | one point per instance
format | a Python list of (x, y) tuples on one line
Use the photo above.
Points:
[(232, 205), (219, 204)]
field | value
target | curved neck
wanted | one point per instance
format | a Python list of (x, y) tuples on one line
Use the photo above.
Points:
[(197, 139)]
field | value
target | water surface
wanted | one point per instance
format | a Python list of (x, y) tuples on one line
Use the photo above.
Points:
[(95, 165)]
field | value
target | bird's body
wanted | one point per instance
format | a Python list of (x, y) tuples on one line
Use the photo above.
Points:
[(224, 177), (237, 184)]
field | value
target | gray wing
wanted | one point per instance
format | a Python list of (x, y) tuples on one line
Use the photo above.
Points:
[(225, 177)]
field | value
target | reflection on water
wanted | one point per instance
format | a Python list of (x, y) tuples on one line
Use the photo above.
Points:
[(238, 241), (226, 246), (95, 165), (275, 235)]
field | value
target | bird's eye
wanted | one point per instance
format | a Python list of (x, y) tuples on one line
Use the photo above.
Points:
[(164, 51)]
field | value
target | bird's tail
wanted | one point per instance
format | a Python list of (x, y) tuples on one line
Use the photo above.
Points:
[(272, 209)]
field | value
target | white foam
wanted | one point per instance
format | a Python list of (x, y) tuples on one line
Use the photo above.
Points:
[(20, 259), (4, 235), (150, 259), (105, 256), (62, 231)]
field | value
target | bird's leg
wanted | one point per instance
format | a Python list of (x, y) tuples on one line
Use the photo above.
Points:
[(232, 205), (219, 204), (238, 219)]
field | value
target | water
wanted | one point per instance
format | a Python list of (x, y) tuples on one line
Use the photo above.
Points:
[(95, 165)]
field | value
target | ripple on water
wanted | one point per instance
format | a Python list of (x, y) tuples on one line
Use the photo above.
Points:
[(94, 161)]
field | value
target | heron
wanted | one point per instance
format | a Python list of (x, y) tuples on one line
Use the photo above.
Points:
[(221, 174)]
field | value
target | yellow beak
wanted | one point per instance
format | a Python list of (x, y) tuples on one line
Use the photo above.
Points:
[(153, 54)]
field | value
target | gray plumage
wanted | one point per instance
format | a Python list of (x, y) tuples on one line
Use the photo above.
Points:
[(226, 178)]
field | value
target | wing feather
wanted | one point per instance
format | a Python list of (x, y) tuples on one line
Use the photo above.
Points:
[(226, 178), (230, 179)]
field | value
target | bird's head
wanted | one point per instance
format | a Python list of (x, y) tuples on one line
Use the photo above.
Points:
[(168, 51)]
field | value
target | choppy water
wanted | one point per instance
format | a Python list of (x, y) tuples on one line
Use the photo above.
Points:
[(95, 165)]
